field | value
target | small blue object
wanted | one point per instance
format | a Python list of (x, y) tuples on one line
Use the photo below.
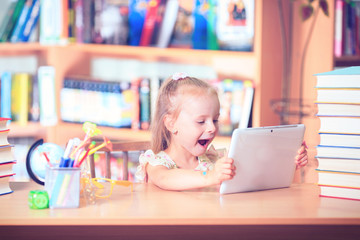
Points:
[(72, 161), (65, 162)]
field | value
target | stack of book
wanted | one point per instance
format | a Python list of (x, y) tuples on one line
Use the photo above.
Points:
[(338, 154), (6, 158)]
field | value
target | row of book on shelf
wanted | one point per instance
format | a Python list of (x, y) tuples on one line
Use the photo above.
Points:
[(7, 159), (26, 97), (120, 104), (198, 24), (338, 153), (347, 28)]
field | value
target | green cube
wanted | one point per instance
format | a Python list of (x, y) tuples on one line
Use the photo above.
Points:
[(38, 199)]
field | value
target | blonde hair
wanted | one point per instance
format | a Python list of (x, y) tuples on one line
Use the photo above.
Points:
[(169, 103)]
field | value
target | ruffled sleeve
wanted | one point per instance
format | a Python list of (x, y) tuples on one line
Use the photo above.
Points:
[(154, 160)]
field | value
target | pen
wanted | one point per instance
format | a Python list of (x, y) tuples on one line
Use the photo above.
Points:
[(65, 160)]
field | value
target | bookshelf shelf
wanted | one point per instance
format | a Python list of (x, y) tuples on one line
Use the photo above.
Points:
[(18, 48), (156, 52), (346, 61), (30, 130), (234, 59)]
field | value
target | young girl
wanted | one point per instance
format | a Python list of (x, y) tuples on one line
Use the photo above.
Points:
[(184, 125)]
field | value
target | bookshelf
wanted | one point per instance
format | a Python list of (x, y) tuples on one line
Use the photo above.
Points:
[(75, 59)]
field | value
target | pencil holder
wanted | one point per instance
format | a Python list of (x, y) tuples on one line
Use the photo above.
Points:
[(63, 187)]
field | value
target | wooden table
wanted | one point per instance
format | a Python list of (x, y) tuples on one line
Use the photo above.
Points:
[(151, 213)]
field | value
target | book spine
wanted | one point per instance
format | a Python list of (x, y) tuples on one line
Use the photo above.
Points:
[(339, 5), (168, 23), (67, 101), (3, 138), (245, 120), (357, 31), (126, 104), (79, 21), (184, 27), (225, 97), (96, 33), (25, 96), (50, 21), (212, 41), (16, 34), (71, 21), (145, 103), (135, 124), (64, 35), (35, 107), (6, 169), (14, 18), (155, 84), (46, 79), (20, 97), (200, 34), (88, 21), (5, 104), (159, 18), (6, 20), (149, 24), (137, 13), (31, 22)]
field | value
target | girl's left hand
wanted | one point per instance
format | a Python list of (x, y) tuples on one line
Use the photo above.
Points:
[(302, 158)]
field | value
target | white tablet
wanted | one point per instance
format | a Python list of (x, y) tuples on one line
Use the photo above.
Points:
[(264, 157)]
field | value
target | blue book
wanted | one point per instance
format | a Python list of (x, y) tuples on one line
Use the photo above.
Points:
[(31, 21), (20, 24), (342, 71), (212, 21), (144, 103), (137, 13), (5, 96), (199, 36), (348, 77)]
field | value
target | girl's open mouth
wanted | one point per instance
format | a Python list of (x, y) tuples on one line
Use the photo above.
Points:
[(203, 142)]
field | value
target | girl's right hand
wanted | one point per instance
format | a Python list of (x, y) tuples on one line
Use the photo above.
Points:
[(223, 170)]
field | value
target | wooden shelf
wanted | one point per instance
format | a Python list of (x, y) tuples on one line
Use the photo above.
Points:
[(136, 51), (347, 61), (21, 48), (32, 129)]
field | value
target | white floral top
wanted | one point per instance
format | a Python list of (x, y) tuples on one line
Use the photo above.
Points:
[(206, 161)]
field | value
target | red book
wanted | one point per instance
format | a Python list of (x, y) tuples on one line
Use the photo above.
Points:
[(149, 24)]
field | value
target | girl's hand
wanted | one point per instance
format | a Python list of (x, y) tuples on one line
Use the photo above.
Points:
[(223, 170), (302, 158)]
